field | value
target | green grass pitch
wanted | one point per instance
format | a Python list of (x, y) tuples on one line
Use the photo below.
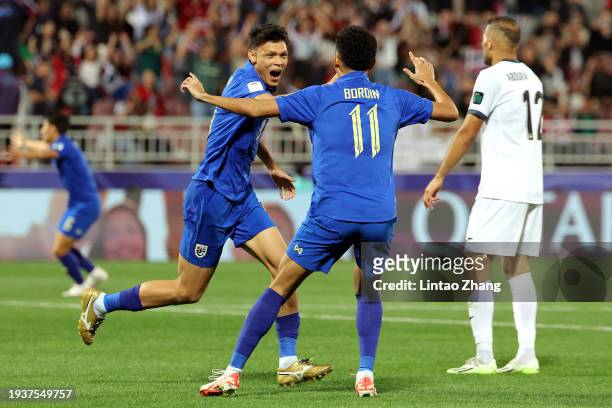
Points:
[(160, 358)]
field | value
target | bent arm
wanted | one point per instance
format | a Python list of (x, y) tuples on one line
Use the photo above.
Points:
[(444, 108)]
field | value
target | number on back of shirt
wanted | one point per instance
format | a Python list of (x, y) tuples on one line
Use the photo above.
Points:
[(355, 115), (534, 112)]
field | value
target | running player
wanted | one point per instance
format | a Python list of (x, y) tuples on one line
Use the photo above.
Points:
[(353, 125), (83, 200), (219, 204), (506, 219)]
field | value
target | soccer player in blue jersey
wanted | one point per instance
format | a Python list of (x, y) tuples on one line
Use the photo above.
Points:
[(353, 124), (83, 202), (219, 204)]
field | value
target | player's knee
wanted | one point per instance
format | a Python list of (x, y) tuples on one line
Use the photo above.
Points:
[(59, 251)]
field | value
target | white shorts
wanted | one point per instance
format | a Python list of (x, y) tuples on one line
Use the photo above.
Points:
[(505, 228)]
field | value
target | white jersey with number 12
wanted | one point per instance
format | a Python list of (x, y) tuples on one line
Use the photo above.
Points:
[(509, 98)]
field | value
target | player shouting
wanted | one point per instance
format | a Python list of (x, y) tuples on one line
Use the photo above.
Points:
[(219, 204), (353, 124)]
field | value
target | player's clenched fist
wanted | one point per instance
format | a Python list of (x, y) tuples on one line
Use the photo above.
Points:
[(423, 70), (194, 86)]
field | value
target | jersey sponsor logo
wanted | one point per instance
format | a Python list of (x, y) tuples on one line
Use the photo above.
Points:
[(200, 250), (58, 146), (255, 86), (297, 249), (477, 99)]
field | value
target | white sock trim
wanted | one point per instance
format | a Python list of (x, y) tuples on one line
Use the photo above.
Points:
[(364, 373), (231, 370), (98, 305), (284, 362)]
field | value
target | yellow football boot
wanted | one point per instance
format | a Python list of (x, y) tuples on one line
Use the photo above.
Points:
[(301, 371), (89, 322)]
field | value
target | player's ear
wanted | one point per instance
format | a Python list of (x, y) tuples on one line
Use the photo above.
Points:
[(337, 61), (252, 57)]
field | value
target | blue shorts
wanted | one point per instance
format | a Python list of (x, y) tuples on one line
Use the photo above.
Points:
[(78, 218), (321, 241), (210, 219)]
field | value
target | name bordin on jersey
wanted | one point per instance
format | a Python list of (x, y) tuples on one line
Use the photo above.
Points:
[(361, 93)]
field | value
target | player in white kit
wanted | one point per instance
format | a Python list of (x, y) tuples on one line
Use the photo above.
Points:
[(506, 219)]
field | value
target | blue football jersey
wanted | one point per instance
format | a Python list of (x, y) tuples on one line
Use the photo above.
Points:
[(74, 171), (233, 139), (353, 124)]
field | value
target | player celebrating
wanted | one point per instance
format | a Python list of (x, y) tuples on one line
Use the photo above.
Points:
[(353, 124), (507, 104), (83, 202), (219, 204)]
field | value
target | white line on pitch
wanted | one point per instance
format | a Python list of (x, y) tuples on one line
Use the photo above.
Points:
[(336, 317)]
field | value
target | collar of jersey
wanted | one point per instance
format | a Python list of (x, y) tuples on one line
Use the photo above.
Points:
[(354, 75), (251, 69)]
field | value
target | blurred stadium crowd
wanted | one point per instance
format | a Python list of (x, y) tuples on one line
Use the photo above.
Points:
[(127, 57)]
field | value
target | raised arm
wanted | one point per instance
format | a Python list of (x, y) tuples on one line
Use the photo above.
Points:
[(463, 139), (444, 108), (243, 106)]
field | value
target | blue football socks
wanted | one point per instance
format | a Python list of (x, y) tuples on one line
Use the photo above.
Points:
[(287, 329), (256, 325), (71, 263), (369, 322), (128, 299), (83, 261)]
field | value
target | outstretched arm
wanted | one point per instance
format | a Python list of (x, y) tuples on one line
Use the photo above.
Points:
[(463, 139), (242, 106), (29, 149), (444, 108)]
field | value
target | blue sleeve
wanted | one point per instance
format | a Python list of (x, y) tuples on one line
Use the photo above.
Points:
[(245, 87), (61, 148), (413, 109), (301, 107)]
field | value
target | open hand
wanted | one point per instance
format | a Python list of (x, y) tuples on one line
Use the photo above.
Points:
[(284, 182), (423, 70)]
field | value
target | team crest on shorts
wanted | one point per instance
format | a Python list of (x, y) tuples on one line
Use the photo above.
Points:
[(200, 250)]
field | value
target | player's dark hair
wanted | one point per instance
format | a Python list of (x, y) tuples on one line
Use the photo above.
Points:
[(508, 27), (60, 121), (261, 34), (356, 47)]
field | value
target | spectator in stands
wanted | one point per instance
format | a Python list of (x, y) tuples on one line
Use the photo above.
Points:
[(210, 72), (149, 51), (9, 86), (90, 70), (145, 99), (146, 14), (41, 96), (57, 40)]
